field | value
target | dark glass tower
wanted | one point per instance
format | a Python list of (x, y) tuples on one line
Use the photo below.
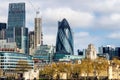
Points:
[(2, 30), (16, 20), (64, 42)]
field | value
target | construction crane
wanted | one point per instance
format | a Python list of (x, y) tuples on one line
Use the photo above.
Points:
[(35, 9)]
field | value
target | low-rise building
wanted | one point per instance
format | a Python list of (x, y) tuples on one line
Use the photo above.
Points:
[(8, 46), (44, 53), (9, 61)]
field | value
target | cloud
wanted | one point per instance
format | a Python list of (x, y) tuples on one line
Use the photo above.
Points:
[(82, 39), (83, 34), (108, 22), (75, 18), (114, 35), (84, 15), (49, 39)]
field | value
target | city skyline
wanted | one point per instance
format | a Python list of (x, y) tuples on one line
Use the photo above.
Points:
[(92, 21)]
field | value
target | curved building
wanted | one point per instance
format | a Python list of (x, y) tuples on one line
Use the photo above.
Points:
[(64, 42)]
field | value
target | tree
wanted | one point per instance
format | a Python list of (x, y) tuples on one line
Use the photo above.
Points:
[(23, 66), (1, 72), (87, 66), (100, 65), (76, 70), (48, 71), (69, 70), (116, 61)]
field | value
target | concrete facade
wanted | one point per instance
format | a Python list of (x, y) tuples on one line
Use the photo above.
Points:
[(91, 52)]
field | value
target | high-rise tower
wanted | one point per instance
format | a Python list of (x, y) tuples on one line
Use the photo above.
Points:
[(25, 41), (64, 42), (2, 31), (16, 20), (38, 32)]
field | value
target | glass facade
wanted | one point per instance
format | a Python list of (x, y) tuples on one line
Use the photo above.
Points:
[(25, 43), (9, 60), (44, 52), (17, 36), (64, 42), (16, 20), (2, 30)]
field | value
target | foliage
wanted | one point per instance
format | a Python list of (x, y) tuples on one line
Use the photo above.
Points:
[(22, 66), (101, 64), (74, 70), (116, 61), (87, 66), (1, 72)]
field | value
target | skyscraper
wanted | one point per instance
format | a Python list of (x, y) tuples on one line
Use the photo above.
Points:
[(16, 20), (2, 30), (38, 32), (31, 42), (31, 39), (25, 41), (64, 42), (109, 51)]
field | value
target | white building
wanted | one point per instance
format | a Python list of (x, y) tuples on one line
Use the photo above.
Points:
[(91, 52), (8, 46), (31, 75)]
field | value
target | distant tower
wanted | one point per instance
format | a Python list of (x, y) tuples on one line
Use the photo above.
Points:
[(31, 42), (16, 20), (25, 42), (64, 42), (31, 39), (91, 52), (2, 31), (37, 31)]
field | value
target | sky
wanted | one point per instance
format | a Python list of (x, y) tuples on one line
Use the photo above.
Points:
[(92, 21)]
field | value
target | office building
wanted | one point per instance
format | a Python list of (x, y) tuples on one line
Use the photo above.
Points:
[(91, 52), (108, 51), (2, 30), (38, 32), (16, 20), (8, 46), (31, 39), (31, 42), (17, 36), (44, 53), (80, 52), (9, 61), (64, 41), (117, 52), (25, 43)]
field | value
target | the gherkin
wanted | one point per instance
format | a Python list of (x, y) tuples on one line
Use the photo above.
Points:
[(64, 41)]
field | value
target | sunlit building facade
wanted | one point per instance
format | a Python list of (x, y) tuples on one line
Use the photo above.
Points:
[(91, 52), (9, 60), (38, 32), (8, 46)]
